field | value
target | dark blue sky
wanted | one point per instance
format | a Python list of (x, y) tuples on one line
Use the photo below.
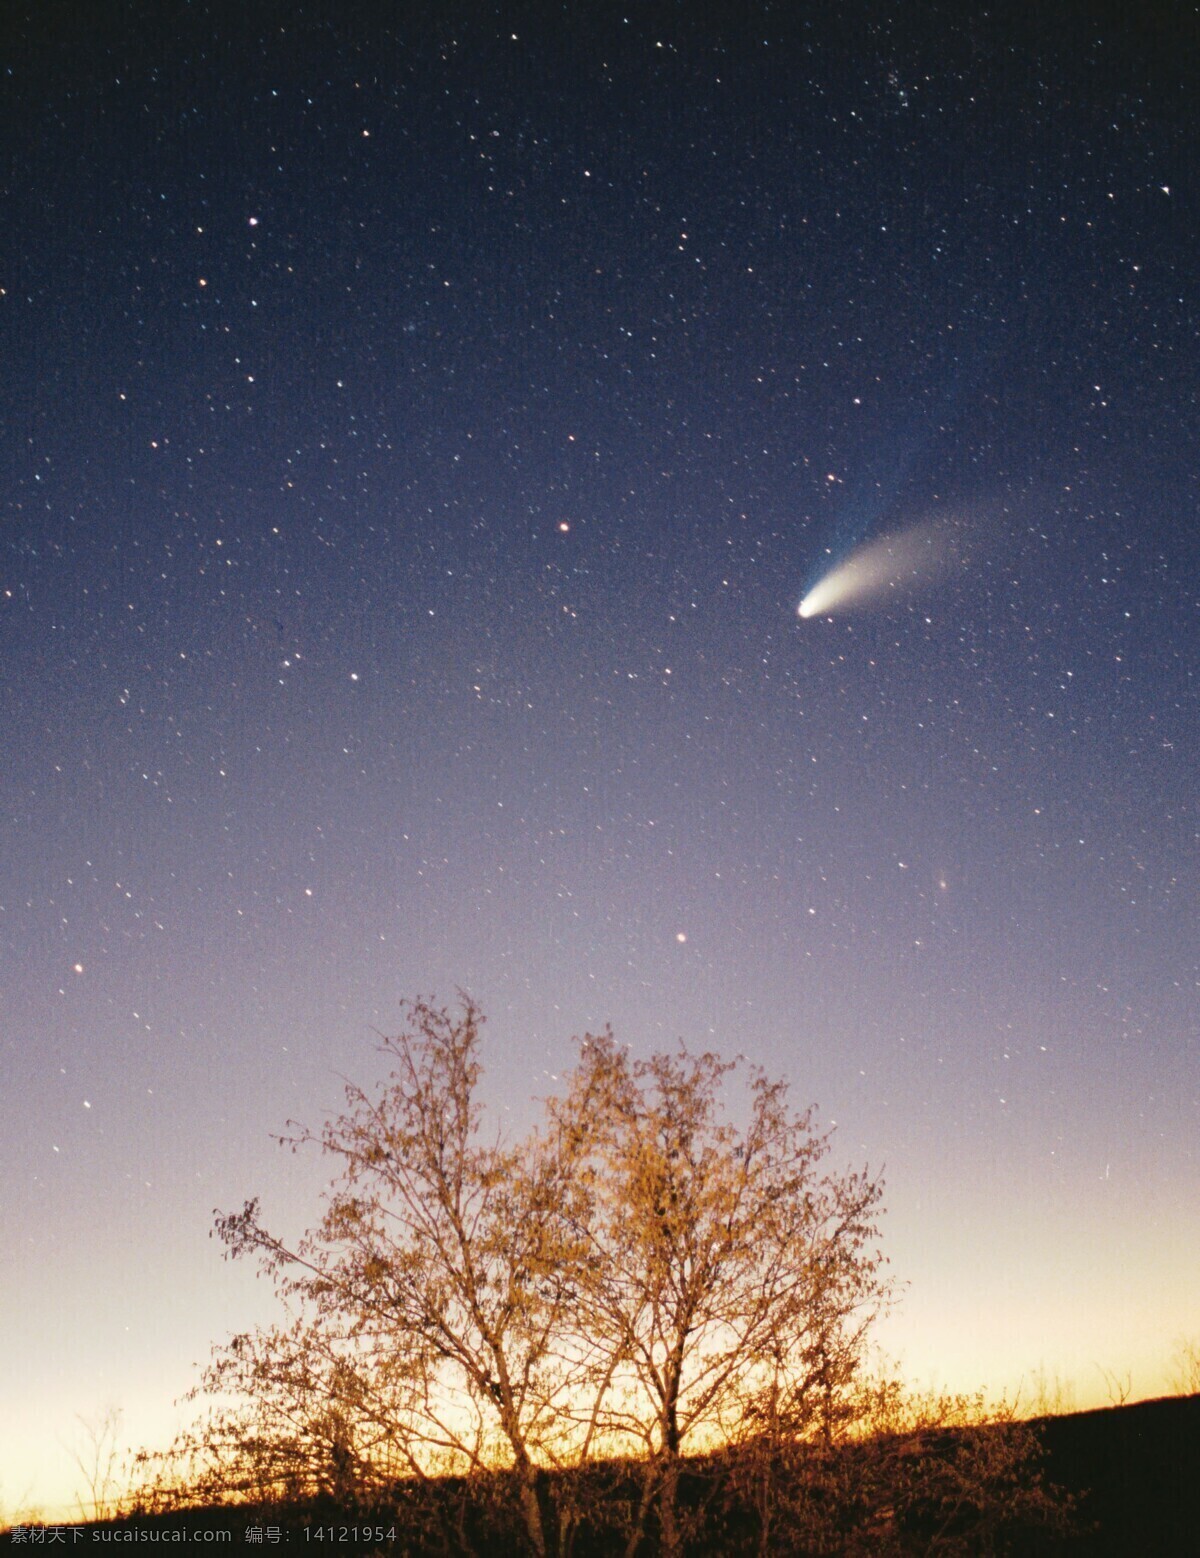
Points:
[(420, 425)]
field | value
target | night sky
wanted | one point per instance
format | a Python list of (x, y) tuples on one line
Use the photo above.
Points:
[(420, 426)]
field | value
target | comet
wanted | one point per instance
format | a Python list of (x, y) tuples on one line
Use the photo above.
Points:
[(891, 566)]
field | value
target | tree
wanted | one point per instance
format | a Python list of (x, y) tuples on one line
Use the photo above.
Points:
[(433, 1324), (649, 1310), (1118, 1387), (728, 1279), (99, 1460), (1185, 1376)]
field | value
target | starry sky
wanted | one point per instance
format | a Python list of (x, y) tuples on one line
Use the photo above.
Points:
[(420, 425)]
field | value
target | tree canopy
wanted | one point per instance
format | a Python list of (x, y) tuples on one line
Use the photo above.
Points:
[(664, 1273)]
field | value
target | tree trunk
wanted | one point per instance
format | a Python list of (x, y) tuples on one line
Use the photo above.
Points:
[(531, 1509), (667, 1512), (668, 1494)]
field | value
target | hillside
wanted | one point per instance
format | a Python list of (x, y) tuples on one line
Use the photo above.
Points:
[(1140, 1466), (1135, 1471)]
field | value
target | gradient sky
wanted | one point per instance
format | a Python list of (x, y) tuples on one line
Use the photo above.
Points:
[(420, 425)]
